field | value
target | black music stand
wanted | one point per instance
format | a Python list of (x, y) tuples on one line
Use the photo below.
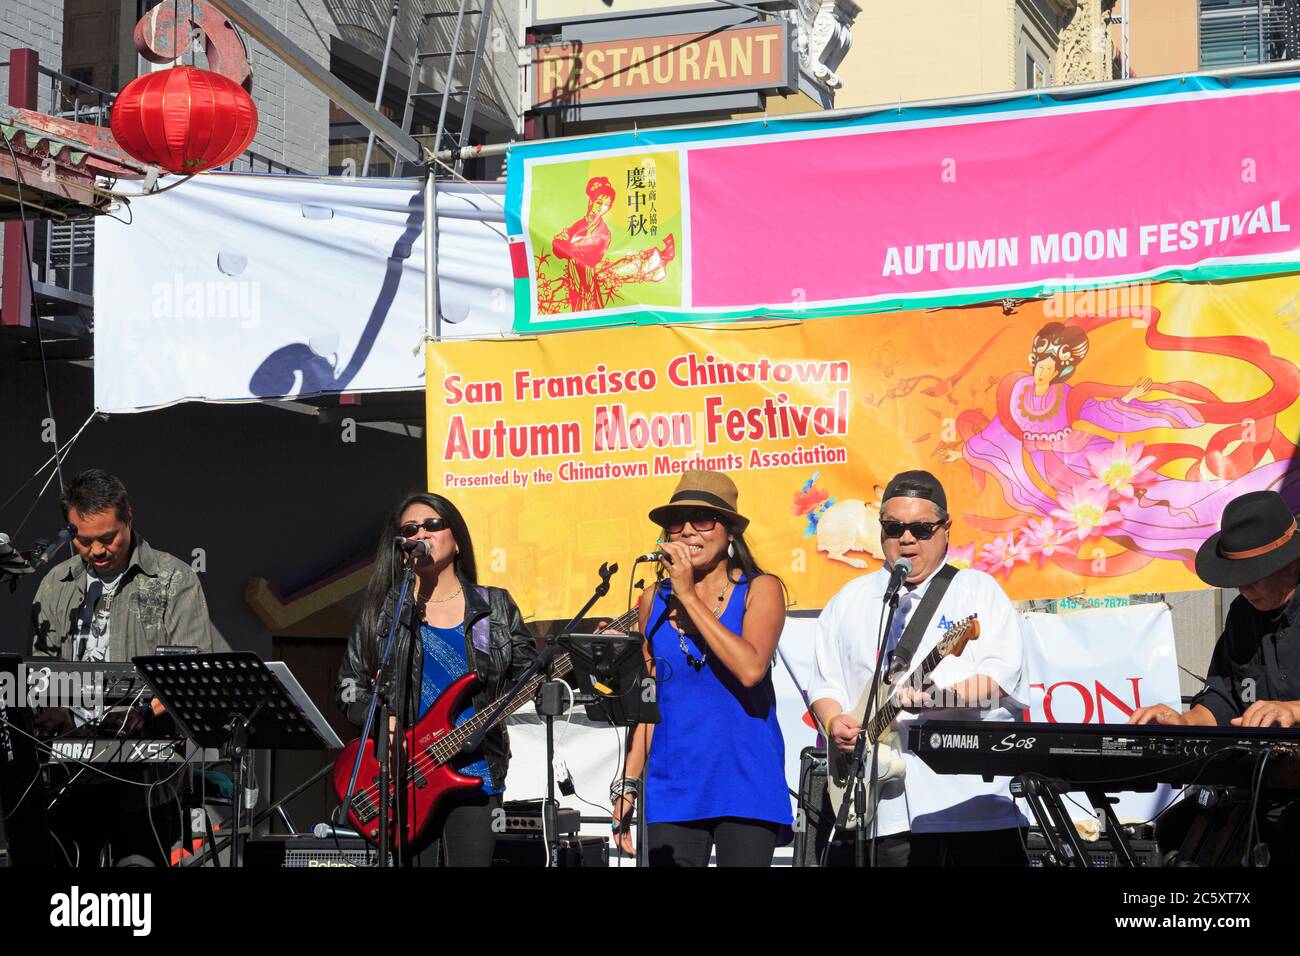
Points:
[(612, 667), (237, 702)]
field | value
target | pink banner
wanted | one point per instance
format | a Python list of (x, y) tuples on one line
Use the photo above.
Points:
[(1169, 180), (1117, 192)]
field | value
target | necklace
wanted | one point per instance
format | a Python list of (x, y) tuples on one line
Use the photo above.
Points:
[(691, 659), (451, 597)]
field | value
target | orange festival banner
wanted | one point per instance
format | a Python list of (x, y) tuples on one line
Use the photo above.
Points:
[(1088, 442)]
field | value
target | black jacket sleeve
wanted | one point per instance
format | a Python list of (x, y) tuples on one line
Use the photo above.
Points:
[(353, 691), (1219, 696), (523, 647)]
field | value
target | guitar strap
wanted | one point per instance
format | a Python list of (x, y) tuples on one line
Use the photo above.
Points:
[(921, 617), (480, 633)]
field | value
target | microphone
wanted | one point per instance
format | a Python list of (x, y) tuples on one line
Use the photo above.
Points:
[(655, 556), (902, 568), (416, 549), (63, 537), (323, 831)]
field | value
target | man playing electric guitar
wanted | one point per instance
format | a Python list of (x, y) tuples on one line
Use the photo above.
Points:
[(923, 818)]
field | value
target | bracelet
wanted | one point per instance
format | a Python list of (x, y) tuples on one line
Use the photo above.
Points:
[(624, 787)]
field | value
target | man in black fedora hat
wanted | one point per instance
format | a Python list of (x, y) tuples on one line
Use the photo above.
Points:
[(1254, 677)]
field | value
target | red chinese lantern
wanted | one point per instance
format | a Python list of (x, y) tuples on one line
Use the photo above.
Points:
[(184, 119)]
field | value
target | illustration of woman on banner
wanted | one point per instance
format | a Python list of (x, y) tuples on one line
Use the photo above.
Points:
[(1070, 485), (589, 282)]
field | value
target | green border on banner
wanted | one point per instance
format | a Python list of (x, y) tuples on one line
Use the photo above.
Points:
[(1210, 273)]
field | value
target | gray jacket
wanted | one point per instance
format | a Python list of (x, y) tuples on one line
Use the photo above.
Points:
[(159, 602)]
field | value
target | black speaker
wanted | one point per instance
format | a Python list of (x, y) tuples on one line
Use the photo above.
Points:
[(810, 829), (307, 852), (513, 851)]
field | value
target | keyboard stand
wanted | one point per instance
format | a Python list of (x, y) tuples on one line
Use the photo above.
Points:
[(1065, 846), (1104, 804)]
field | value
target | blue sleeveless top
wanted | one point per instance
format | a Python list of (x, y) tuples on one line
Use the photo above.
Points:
[(719, 750)]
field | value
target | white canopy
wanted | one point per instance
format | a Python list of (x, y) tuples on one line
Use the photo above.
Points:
[(236, 287)]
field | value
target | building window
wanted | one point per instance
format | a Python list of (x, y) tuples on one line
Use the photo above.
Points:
[(1244, 32)]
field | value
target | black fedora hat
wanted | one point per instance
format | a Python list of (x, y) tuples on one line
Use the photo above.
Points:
[(1258, 537)]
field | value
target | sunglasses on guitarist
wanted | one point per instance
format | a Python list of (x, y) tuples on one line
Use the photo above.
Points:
[(920, 530)]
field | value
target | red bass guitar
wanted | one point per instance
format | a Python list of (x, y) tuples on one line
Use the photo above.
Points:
[(434, 743)]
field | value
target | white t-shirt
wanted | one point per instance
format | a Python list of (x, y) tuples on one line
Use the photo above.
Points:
[(844, 665), (91, 643)]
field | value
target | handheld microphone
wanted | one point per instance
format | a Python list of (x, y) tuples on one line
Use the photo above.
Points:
[(416, 549), (53, 548), (655, 555)]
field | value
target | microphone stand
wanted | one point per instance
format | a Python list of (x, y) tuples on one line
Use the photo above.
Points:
[(379, 694), (550, 807), (856, 764)]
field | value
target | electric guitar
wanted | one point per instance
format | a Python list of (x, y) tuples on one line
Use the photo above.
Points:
[(431, 745), (880, 731)]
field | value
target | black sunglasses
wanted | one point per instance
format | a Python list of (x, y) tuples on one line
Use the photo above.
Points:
[(920, 530), (412, 528), (700, 523)]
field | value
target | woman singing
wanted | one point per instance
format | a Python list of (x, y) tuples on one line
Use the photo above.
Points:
[(450, 625), (715, 766)]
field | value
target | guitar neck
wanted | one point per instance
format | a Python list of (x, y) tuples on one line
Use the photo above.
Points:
[(885, 716), (447, 747)]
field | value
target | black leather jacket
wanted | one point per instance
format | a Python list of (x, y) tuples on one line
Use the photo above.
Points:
[(510, 650)]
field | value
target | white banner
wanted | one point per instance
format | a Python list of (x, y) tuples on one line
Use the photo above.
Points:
[(236, 287), (1097, 667)]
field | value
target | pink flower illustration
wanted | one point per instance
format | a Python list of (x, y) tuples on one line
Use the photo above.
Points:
[(1084, 512), (1120, 468), (1001, 556), (963, 557), (1044, 538)]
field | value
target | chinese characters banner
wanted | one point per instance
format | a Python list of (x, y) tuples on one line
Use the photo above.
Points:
[(906, 208), (1088, 442)]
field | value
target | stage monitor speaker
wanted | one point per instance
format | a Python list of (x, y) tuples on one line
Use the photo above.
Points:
[(810, 829), (299, 852), (513, 851)]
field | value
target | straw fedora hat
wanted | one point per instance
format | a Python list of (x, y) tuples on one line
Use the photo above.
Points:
[(711, 490)]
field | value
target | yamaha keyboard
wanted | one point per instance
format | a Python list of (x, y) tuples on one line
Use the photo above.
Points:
[(1110, 756)]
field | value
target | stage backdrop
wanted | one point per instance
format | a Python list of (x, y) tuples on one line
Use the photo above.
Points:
[(1098, 469), (1191, 178)]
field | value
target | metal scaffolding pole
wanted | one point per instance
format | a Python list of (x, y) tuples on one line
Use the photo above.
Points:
[(383, 78), (475, 70), (432, 315)]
